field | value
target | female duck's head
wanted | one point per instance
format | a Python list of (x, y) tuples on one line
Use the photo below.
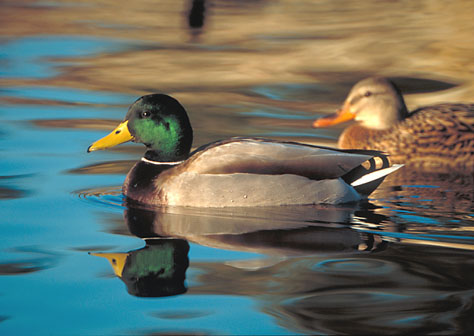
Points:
[(158, 121), (374, 102)]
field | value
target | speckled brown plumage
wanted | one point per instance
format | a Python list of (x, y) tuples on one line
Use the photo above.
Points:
[(436, 138)]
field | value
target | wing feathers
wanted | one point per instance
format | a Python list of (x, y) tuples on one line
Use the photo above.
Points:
[(274, 158)]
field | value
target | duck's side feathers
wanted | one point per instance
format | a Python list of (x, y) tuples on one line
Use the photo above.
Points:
[(249, 190)]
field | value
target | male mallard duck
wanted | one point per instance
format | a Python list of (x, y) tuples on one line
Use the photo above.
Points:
[(233, 172), (437, 138)]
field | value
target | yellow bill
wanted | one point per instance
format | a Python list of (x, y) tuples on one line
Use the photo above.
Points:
[(117, 260), (119, 135)]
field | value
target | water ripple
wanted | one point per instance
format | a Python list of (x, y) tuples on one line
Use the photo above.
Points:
[(354, 266), (108, 196)]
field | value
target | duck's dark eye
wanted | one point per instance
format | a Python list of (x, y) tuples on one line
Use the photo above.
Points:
[(367, 94), (145, 114)]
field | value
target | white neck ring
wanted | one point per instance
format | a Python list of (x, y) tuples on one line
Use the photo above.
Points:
[(173, 163)]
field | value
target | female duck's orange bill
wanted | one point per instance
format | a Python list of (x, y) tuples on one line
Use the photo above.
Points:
[(340, 116), (119, 135)]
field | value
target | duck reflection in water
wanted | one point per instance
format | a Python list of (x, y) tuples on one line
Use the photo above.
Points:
[(158, 269), (317, 273), (269, 231)]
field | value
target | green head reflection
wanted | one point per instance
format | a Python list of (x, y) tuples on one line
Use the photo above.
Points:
[(157, 269)]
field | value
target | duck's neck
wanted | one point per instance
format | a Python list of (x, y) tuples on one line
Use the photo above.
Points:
[(357, 136), (158, 156)]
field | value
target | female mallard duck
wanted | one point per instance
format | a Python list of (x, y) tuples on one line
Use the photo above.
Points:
[(233, 172), (435, 138)]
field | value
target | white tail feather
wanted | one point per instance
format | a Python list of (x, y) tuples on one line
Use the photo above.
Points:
[(376, 175)]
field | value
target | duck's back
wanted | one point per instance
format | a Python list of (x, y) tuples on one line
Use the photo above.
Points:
[(438, 138), (263, 156)]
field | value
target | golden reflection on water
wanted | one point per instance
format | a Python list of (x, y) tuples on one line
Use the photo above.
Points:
[(256, 42)]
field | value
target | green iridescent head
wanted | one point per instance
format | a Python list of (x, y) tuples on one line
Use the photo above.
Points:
[(158, 121)]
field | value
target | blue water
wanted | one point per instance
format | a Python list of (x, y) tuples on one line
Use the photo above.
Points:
[(399, 264), (36, 56)]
